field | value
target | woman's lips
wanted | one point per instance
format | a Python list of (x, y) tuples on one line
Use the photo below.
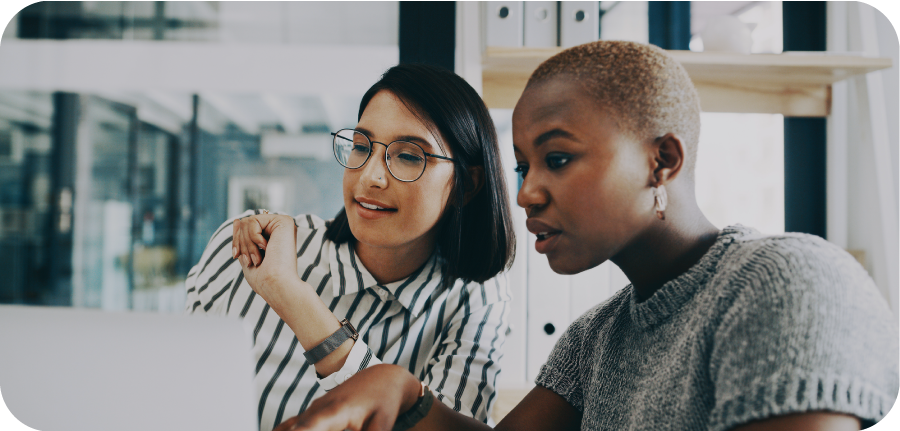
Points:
[(371, 211), (546, 242), (547, 236)]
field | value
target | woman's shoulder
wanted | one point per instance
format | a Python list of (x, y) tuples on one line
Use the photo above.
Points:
[(789, 257), (773, 271), (598, 320), (480, 294), (310, 222)]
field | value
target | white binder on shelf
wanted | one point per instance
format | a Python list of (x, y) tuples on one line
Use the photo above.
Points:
[(579, 22), (541, 24), (504, 23)]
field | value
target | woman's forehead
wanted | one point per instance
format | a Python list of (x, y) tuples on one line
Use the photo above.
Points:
[(387, 117), (561, 117)]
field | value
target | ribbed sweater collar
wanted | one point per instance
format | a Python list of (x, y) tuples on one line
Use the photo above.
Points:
[(666, 301)]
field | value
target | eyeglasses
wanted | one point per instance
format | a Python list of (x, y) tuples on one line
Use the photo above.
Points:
[(405, 160)]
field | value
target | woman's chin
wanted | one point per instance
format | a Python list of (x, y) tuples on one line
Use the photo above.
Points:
[(564, 265)]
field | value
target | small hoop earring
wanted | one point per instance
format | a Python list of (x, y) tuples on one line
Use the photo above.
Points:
[(661, 199)]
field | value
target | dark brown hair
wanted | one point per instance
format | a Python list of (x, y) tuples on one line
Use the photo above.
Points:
[(476, 240)]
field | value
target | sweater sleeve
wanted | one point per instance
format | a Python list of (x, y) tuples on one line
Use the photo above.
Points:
[(807, 330), (562, 372)]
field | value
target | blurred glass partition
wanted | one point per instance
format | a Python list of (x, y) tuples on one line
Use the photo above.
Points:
[(155, 282), (103, 205), (139, 20), (357, 23), (25, 183), (130, 131)]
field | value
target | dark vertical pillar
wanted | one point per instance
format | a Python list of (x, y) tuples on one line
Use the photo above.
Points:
[(670, 24), (193, 179), (58, 289), (50, 20), (804, 138), (159, 20), (428, 33), (173, 190), (134, 195)]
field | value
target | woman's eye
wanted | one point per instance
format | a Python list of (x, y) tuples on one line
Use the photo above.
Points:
[(409, 158), (521, 170), (556, 161), (361, 148)]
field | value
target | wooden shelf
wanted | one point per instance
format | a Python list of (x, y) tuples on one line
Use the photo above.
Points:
[(794, 84)]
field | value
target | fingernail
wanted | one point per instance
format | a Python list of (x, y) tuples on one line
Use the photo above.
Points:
[(233, 252), (244, 260), (255, 260), (262, 246)]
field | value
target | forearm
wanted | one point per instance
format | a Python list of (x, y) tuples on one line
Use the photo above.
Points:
[(443, 418), (440, 417), (312, 322)]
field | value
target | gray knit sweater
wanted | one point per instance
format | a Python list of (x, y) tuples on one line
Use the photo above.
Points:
[(761, 326)]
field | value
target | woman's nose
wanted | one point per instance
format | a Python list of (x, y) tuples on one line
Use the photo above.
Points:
[(531, 194), (375, 171)]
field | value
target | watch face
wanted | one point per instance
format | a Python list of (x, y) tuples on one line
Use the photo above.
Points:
[(353, 334)]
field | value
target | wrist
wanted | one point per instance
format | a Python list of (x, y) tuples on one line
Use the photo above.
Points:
[(286, 293), (412, 389)]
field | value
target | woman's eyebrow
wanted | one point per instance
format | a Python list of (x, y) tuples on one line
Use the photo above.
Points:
[(418, 140), (555, 133), (409, 138)]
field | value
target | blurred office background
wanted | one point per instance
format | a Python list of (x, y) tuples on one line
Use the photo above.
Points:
[(113, 184), (123, 151), (129, 131)]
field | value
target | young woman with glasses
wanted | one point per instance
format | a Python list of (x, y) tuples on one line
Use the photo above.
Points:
[(408, 273), (719, 329)]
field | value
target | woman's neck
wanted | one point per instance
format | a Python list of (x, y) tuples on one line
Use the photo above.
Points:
[(667, 249), (390, 264)]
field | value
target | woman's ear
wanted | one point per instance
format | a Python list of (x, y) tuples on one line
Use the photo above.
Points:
[(474, 183), (668, 158)]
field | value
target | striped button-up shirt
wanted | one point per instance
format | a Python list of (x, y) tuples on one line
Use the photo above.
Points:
[(450, 339)]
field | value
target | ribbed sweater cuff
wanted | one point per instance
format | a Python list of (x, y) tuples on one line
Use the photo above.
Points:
[(801, 392)]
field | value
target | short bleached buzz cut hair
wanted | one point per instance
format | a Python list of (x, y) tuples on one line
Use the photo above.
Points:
[(642, 87)]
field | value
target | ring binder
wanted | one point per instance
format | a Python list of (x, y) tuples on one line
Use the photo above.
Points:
[(579, 22), (504, 23), (541, 24)]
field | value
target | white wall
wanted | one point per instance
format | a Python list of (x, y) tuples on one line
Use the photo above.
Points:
[(11, 28), (863, 146), (889, 46)]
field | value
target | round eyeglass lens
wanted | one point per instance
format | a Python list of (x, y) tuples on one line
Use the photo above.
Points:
[(405, 160), (351, 148)]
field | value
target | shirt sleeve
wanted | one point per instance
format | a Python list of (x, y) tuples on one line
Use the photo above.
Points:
[(192, 302), (215, 273), (463, 373), (360, 358), (807, 331)]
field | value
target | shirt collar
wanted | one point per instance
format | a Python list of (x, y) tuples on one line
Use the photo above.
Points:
[(350, 276)]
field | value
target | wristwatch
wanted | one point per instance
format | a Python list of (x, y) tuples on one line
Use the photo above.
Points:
[(331, 343)]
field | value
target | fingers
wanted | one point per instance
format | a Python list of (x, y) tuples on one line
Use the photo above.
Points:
[(253, 235), (235, 239), (247, 240), (287, 425), (251, 252), (380, 422), (256, 240), (321, 422)]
